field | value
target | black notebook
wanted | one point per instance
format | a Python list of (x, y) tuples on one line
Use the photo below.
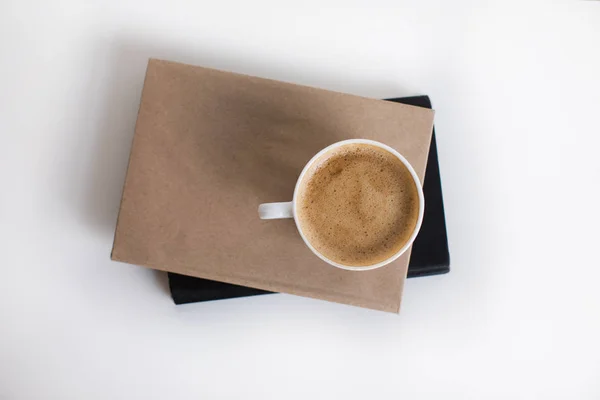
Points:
[(430, 255)]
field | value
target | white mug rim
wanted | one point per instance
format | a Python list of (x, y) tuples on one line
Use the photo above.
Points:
[(417, 182)]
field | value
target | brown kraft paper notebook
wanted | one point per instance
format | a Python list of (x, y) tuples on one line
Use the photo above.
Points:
[(210, 146)]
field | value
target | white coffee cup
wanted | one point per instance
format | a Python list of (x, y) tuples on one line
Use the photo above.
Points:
[(288, 209)]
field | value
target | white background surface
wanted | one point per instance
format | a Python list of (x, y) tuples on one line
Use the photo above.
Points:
[(517, 93)]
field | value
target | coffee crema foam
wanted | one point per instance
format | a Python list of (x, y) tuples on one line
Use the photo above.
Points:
[(358, 205)]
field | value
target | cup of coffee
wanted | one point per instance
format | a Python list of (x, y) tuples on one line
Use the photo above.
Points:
[(358, 205)]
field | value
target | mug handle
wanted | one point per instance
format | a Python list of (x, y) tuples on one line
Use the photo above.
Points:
[(276, 210)]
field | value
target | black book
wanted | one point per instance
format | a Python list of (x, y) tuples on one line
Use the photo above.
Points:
[(430, 255)]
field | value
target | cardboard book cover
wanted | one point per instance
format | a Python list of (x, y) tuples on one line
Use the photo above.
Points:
[(210, 146)]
